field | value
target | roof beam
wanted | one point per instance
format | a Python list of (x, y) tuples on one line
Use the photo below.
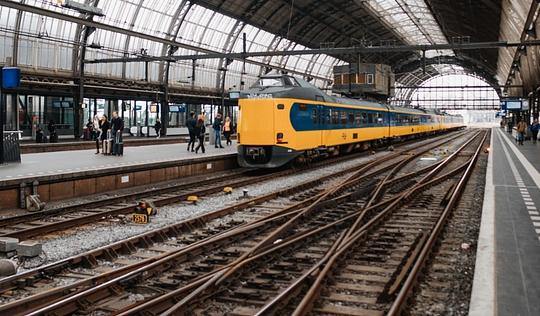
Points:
[(451, 87), (329, 51)]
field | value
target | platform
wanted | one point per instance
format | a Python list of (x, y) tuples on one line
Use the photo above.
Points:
[(28, 147), (78, 173), (507, 275)]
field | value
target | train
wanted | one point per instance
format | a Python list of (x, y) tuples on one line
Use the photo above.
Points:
[(283, 119)]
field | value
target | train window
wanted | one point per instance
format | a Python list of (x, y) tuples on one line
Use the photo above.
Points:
[(370, 118), (358, 118), (335, 116), (380, 119), (325, 117), (303, 107), (270, 82), (351, 118), (343, 117), (315, 116), (290, 81), (364, 118), (370, 79)]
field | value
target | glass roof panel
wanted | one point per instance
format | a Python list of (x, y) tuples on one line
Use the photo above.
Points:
[(200, 27), (413, 20)]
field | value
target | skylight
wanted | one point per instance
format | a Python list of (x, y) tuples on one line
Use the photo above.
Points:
[(412, 19)]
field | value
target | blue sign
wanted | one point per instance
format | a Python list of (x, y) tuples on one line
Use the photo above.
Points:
[(177, 108), (11, 77)]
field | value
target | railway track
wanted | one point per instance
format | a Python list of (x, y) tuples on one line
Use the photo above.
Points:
[(37, 224), (36, 283), (373, 269), (374, 272), (238, 254)]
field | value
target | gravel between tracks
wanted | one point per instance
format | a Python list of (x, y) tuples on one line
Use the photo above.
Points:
[(93, 236)]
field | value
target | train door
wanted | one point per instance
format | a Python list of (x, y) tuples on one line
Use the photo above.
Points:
[(388, 121), (324, 124)]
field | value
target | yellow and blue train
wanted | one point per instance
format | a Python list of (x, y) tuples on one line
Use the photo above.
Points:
[(283, 118)]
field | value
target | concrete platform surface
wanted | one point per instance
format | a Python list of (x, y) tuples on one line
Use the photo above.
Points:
[(507, 273), (74, 161)]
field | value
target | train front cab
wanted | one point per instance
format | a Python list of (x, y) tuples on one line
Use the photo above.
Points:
[(266, 138)]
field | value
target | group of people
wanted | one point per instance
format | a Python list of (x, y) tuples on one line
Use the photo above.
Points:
[(53, 136), (106, 133), (197, 131), (521, 128)]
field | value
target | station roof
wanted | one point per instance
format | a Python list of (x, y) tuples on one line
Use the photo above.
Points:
[(198, 26)]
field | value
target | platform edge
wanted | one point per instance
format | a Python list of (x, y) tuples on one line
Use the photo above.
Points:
[(483, 293)]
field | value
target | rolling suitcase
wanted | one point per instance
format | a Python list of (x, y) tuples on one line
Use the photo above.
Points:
[(107, 144), (118, 144)]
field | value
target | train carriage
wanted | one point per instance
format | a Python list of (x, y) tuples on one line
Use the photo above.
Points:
[(283, 118)]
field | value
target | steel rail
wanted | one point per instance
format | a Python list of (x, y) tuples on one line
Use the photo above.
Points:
[(177, 302), (330, 260), (243, 260), (162, 234), (361, 233), (399, 303), (408, 149)]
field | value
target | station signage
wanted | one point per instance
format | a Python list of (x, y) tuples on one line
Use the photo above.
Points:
[(514, 104)]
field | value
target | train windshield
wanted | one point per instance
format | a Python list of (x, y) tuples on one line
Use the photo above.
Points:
[(270, 82)]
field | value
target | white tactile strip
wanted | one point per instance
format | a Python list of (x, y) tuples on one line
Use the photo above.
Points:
[(529, 203)]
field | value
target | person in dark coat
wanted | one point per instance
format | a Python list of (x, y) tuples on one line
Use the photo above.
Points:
[(52, 132), (104, 125), (191, 122), (157, 127), (200, 132), (218, 122), (117, 126)]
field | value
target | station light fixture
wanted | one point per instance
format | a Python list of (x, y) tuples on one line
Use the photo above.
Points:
[(95, 46), (82, 7)]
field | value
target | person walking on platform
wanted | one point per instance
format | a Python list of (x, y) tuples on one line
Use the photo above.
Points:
[(157, 128), (97, 132), (104, 125), (117, 127), (227, 130), (191, 122), (89, 130), (53, 137), (200, 132), (521, 129), (535, 126), (217, 130)]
